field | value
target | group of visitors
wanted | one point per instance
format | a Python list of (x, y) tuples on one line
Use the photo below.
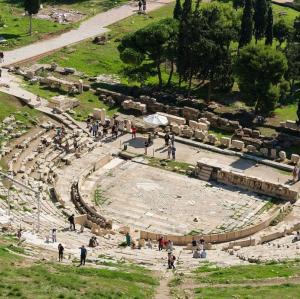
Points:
[(198, 248), (142, 6), (170, 144), (101, 130)]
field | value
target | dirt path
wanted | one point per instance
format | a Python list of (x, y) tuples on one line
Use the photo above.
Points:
[(163, 291)]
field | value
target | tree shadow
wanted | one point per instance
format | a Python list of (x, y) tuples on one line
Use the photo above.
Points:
[(242, 164)]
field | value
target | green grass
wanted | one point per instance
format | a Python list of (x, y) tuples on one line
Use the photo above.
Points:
[(88, 100), (220, 133), (94, 59), (285, 291), (20, 278), (238, 274), (287, 112), (170, 165), (16, 26), (10, 105)]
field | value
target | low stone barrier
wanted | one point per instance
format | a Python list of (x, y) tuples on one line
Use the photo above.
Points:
[(214, 238)]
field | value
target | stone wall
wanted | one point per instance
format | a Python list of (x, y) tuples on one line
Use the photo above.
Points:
[(254, 184), (214, 238)]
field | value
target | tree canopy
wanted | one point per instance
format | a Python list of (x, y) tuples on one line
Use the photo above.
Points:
[(259, 69)]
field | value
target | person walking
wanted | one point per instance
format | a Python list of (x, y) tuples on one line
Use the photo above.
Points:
[(140, 5), (128, 239), (71, 220), (144, 6), (169, 151), (1, 57), (171, 260), (167, 139), (60, 252), (0, 72), (173, 152), (160, 243), (173, 139), (83, 254), (133, 132), (295, 174)]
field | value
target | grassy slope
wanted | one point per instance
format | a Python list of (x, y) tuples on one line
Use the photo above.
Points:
[(20, 278), (246, 275), (10, 105)]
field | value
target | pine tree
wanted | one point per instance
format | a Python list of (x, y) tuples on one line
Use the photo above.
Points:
[(184, 40), (260, 19), (186, 10), (269, 29), (177, 13), (247, 24), (32, 7)]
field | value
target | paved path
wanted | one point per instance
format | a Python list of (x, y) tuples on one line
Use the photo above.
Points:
[(90, 28), (11, 84), (192, 154)]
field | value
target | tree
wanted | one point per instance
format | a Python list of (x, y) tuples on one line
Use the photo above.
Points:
[(177, 13), (292, 52), (260, 19), (281, 31), (184, 53), (32, 7), (238, 4), (247, 24), (147, 48), (259, 69), (269, 28)]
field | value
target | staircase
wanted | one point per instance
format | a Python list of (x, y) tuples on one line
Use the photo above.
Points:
[(205, 172)]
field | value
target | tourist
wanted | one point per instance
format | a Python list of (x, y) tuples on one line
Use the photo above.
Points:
[(173, 139), (144, 6), (1, 57), (71, 220), (169, 151), (297, 237), (146, 147), (173, 152), (133, 132), (170, 246), (149, 244), (140, 5), (60, 252), (128, 239), (197, 254), (54, 235), (171, 260), (160, 243), (295, 174), (19, 234), (167, 139), (0, 72), (203, 254), (83, 254)]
